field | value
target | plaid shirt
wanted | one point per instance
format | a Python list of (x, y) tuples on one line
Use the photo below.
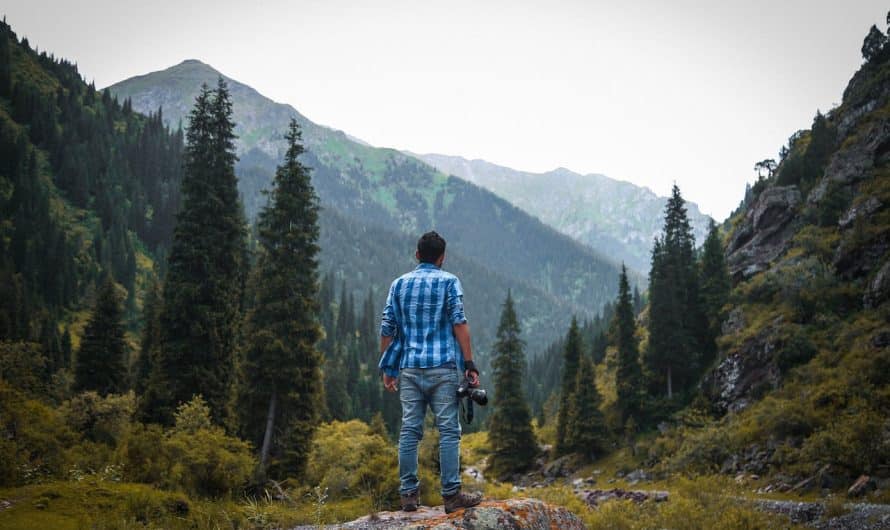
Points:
[(421, 308)]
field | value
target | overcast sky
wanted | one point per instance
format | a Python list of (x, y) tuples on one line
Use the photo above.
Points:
[(651, 92)]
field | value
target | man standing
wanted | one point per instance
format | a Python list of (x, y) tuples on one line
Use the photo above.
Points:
[(425, 342)]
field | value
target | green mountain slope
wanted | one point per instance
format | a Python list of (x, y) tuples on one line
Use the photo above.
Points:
[(617, 218), (384, 189), (87, 188), (801, 388)]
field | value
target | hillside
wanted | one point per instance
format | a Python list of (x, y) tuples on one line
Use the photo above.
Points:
[(383, 189), (800, 392), (617, 218)]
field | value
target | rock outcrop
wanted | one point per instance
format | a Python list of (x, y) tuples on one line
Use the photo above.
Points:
[(764, 233), (740, 377), (515, 514)]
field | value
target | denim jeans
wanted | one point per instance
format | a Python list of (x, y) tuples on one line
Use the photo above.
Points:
[(436, 387)]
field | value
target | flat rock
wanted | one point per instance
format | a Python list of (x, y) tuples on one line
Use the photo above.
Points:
[(513, 514)]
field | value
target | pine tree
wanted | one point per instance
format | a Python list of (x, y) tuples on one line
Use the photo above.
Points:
[(586, 433), (628, 373), (202, 298), (510, 433), (151, 309), (101, 359), (282, 364), (571, 359), (677, 325), (715, 286)]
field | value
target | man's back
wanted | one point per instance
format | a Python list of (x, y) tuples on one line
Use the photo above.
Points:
[(421, 309)]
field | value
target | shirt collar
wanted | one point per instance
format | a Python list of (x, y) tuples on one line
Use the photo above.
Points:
[(425, 265)]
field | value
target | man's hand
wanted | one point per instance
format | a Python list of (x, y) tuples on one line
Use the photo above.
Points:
[(390, 383), (471, 373)]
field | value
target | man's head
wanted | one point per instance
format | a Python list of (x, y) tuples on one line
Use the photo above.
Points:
[(431, 249)]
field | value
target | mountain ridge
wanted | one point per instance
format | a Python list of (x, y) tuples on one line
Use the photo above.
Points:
[(614, 216), (387, 190)]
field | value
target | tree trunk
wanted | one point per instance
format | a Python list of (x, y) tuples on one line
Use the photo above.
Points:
[(670, 387), (267, 438)]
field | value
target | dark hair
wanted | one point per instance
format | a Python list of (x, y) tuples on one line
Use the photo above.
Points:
[(430, 247)]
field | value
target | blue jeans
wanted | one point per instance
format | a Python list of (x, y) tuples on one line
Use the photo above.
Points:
[(436, 387)]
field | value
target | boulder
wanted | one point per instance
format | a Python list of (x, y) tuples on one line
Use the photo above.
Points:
[(862, 485), (765, 232), (514, 514)]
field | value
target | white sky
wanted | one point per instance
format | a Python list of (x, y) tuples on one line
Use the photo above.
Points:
[(651, 91)]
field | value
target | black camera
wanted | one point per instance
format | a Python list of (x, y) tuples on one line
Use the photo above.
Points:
[(476, 394), (472, 394)]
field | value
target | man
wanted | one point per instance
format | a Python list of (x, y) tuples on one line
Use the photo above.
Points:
[(425, 344)]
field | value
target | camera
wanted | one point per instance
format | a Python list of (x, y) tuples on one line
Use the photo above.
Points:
[(476, 394)]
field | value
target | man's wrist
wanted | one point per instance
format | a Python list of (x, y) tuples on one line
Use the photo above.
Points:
[(470, 366)]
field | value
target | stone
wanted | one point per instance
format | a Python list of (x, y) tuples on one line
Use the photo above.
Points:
[(863, 484), (561, 467), (513, 514), (598, 497), (861, 210), (765, 232), (881, 339), (638, 475), (878, 290), (738, 378), (475, 473)]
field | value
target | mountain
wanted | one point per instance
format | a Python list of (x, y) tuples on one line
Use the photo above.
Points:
[(800, 390), (617, 218), (385, 191), (88, 188)]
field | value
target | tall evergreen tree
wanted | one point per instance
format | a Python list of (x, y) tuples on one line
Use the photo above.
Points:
[(206, 268), (571, 360), (151, 309), (677, 324), (101, 359), (628, 373), (510, 432), (282, 364), (715, 286), (586, 432)]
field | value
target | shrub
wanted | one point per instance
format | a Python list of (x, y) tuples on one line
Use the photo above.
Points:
[(100, 419), (33, 439), (204, 460), (143, 454), (350, 461)]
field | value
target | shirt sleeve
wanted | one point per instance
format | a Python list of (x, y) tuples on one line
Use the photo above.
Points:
[(389, 322), (454, 303), (391, 357)]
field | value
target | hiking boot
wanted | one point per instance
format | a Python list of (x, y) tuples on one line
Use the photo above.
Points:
[(409, 501), (460, 500)]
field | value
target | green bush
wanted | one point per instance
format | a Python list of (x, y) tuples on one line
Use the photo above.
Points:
[(854, 441), (34, 439), (349, 460), (204, 459), (100, 419), (143, 455)]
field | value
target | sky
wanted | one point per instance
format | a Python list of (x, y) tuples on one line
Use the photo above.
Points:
[(652, 92)]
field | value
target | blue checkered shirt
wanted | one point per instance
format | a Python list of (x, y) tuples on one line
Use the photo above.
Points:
[(421, 308)]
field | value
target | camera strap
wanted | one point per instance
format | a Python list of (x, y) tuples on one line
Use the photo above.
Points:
[(466, 409)]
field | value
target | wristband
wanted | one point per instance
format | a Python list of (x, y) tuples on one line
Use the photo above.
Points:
[(470, 367)]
